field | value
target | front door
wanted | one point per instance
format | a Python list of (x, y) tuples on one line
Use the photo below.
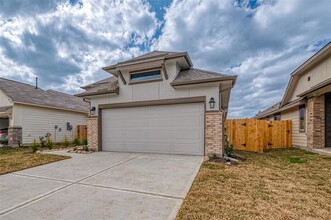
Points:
[(328, 120)]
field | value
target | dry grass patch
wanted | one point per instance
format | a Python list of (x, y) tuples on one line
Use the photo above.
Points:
[(279, 184), (12, 160)]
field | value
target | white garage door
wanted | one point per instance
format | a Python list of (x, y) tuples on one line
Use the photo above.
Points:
[(171, 129)]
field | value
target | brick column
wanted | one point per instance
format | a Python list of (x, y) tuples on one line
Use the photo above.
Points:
[(213, 133), (92, 133), (316, 122), (14, 136)]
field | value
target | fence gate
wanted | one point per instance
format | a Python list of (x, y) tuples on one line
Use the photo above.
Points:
[(258, 135), (82, 132)]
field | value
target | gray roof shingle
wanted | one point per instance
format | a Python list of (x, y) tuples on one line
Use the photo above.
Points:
[(193, 75), (269, 110), (150, 56), (28, 94), (105, 86), (153, 54)]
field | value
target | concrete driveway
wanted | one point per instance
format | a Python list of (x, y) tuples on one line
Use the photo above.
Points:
[(103, 185)]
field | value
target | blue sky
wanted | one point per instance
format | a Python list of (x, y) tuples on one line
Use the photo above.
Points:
[(66, 42)]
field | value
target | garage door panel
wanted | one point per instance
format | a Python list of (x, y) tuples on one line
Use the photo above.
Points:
[(187, 121), (186, 109), (135, 134), (135, 147), (134, 122), (160, 110), (157, 122), (187, 135), (173, 129), (182, 148), (158, 147), (159, 135)]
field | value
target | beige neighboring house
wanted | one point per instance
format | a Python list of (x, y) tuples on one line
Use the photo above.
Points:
[(158, 103), (30, 112), (307, 102)]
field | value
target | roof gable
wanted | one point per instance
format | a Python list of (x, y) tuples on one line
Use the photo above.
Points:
[(303, 68), (149, 57)]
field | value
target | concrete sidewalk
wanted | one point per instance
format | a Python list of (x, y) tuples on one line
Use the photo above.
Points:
[(321, 151), (103, 185)]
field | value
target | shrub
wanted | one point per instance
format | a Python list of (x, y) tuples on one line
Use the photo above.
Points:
[(84, 141), (35, 146), (65, 142), (49, 143), (76, 141)]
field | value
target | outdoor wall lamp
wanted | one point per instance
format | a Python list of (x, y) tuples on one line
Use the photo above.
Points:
[(212, 102), (92, 111)]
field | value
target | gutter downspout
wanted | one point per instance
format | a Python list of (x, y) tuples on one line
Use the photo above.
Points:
[(89, 102), (223, 120), (223, 131)]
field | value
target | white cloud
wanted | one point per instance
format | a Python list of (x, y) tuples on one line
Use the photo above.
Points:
[(262, 45), (11, 69), (66, 45), (76, 40)]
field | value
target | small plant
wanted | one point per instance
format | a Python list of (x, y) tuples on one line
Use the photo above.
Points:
[(66, 142), (76, 141), (42, 141), (49, 143), (228, 150), (84, 141), (35, 146), (85, 147)]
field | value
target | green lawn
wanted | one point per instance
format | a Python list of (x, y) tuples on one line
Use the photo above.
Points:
[(278, 184), (12, 160)]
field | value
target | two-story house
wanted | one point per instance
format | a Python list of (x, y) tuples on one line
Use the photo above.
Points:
[(307, 102), (158, 103)]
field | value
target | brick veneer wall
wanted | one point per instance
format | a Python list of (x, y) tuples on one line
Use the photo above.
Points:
[(14, 136), (316, 122), (92, 133), (213, 133)]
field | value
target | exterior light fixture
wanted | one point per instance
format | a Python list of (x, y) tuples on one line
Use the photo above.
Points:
[(92, 111), (212, 102)]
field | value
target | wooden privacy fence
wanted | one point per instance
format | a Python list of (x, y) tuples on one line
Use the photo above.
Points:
[(258, 135), (82, 132)]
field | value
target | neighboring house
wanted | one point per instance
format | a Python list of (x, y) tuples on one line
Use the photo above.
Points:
[(30, 112), (159, 103), (307, 102)]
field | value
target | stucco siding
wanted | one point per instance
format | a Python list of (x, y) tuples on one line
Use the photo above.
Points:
[(317, 74), (159, 90), (4, 100), (38, 121), (298, 138)]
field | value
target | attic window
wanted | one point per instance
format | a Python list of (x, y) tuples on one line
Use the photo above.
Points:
[(142, 76)]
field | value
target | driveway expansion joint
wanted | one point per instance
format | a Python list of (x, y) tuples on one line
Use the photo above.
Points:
[(70, 183), (160, 195)]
